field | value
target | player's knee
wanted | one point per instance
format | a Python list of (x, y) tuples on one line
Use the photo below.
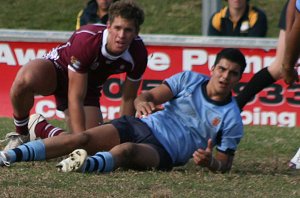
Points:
[(83, 139), (20, 85), (128, 150)]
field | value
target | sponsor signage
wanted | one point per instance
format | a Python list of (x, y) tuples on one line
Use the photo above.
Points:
[(276, 105)]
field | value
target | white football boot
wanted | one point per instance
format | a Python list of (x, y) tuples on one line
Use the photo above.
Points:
[(14, 140), (3, 159), (33, 121), (295, 161), (74, 162)]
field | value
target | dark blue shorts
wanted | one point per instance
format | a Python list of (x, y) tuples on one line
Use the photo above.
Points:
[(132, 129)]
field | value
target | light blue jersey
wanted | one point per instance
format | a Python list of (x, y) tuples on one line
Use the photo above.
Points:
[(191, 118), (298, 5)]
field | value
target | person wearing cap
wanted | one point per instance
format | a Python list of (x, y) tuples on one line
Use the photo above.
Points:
[(239, 18)]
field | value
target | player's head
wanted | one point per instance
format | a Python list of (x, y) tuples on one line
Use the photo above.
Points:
[(234, 55), (125, 18), (127, 9), (226, 72)]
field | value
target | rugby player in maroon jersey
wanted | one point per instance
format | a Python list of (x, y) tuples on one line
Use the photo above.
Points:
[(75, 72)]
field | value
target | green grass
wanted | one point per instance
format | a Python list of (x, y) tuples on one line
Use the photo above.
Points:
[(162, 16), (259, 170), (260, 166)]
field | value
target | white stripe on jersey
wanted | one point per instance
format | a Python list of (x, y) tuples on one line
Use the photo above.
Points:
[(86, 31), (71, 68)]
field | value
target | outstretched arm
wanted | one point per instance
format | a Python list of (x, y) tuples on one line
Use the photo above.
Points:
[(148, 101), (221, 162), (292, 49)]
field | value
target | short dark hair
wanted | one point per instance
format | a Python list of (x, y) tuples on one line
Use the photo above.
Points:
[(127, 9), (234, 55)]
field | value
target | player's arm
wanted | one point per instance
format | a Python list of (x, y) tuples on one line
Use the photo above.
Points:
[(148, 101), (221, 162), (130, 89), (76, 94), (292, 49)]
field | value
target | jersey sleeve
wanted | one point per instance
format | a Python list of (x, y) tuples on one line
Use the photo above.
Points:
[(232, 133), (298, 5), (184, 80), (140, 59), (83, 51), (177, 82)]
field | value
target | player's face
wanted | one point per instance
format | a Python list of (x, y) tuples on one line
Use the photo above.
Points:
[(121, 33), (224, 76), (237, 4)]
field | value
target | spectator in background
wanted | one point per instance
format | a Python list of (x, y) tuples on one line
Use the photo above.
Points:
[(239, 18), (96, 11)]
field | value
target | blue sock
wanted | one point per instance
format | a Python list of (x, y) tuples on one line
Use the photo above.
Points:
[(100, 162), (31, 151)]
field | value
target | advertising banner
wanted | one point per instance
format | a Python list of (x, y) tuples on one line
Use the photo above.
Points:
[(275, 105)]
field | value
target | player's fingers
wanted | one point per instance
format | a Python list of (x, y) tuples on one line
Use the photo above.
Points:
[(151, 107), (209, 146), (199, 159), (159, 108), (144, 108), (200, 152)]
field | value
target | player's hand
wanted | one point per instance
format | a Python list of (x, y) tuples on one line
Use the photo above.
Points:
[(290, 75), (143, 109), (204, 157)]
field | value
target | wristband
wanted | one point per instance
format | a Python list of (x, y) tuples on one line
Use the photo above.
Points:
[(213, 161)]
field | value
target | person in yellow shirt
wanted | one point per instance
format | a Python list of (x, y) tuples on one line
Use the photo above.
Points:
[(239, 18)]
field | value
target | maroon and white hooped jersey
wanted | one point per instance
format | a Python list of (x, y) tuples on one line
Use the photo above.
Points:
[(85, 52)]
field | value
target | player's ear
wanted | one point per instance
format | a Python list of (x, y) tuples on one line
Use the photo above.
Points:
[(212, 69), (108, 25)]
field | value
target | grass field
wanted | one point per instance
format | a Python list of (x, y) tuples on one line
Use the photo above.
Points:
[(259, 170), (260, 166), (162, 17)]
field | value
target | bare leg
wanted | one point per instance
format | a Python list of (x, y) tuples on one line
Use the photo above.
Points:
[(101, 138), (36, 77), (93, 117), (135, 156)]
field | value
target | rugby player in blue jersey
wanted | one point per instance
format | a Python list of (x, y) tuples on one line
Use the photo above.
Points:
[(199, 114)]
